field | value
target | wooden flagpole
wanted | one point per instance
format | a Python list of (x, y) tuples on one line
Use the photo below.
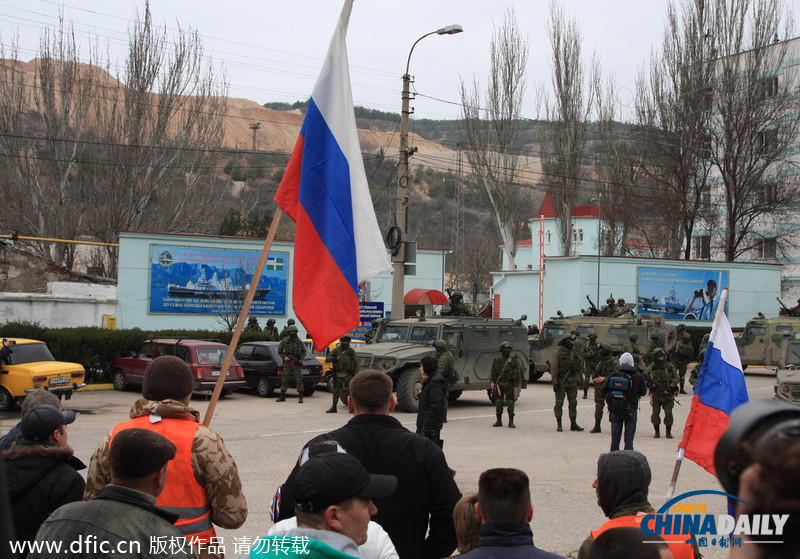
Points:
[(248, 300)]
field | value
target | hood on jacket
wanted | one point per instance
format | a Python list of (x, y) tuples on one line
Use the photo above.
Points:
[(27, 462), (623, 479), (163, 408)]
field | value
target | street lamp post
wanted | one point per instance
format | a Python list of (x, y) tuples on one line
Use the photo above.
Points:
[(401, 207), (597, 202)]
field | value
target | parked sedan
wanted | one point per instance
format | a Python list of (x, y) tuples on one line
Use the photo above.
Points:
[(263, 368)]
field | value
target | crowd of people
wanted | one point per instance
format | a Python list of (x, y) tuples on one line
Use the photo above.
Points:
[(371, 488)]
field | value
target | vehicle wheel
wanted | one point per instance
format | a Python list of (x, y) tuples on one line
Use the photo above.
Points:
[(454, 395), (409, 383), (667, 336), (119, 380), (6, 400), (264, 387), (309, 390)]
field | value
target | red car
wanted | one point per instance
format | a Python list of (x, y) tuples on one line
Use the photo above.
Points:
[(204, 357)]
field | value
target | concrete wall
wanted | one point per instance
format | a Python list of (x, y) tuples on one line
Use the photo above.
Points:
[(64, 304)]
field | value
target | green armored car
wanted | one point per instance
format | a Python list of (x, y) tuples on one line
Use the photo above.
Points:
[(398, 346), (761, 342)]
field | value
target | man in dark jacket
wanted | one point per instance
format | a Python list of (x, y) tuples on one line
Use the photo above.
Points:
[(504, 510), (623, 405), (42, 471), (426, 491), (124, 518), (431, 400)]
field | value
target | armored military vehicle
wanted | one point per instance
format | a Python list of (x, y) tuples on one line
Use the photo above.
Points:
[(760, 343), (612, 330), (399, 345), (787, 381)]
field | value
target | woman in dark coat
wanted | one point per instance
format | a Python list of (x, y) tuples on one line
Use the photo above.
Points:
[(431, 400)]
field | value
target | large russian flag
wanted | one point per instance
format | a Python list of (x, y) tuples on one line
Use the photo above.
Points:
[(719, 390), (337, 241)]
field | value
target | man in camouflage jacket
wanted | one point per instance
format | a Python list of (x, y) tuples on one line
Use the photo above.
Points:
[(345, 366), (506, 379), (589, 355), (663, 386), (271, 331), (682, 355), (292, 351), (605, 367), (566, 373), (444, 364), (167, 391)]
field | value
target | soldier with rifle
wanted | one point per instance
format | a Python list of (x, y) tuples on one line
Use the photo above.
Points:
[(566, 373), (662, 380), (292, 351), (271, 331), (345, 366), (589, 357), (444, 364), (610, 308), (592, 308), (506, 379)]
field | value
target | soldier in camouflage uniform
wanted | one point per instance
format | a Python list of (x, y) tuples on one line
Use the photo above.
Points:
[(663, 386), (606, 366), (369, 335), (631, 347), (650, 347), (566, 374), (506, 379), (271, 331), (292, 351), (589, 356), (167, 392), (345, 366), (252, 325), (700, 356), (609, 309), (285, 330), (457, 306), (682, 355), (444, 364)]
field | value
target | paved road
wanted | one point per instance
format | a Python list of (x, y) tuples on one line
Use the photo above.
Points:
[(265, 438)]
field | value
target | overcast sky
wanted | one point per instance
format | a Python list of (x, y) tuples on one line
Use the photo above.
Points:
[(272, 50)]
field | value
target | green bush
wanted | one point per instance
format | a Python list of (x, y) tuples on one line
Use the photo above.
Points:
[(94, 348)]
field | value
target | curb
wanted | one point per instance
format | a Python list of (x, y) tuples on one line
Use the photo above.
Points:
[(107, 386)]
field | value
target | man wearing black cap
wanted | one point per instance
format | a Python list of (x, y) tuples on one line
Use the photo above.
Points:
[(123, 520), (42, 470), (333, 506), (203, 485)]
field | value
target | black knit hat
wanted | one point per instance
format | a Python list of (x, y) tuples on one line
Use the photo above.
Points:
[(167, 377), (136, 453)]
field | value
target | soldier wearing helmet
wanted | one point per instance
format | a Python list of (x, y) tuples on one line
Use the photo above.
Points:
[(609, 309), (252, 325), (606, 365), (590, 354), (631, 347), (271, 331), (566, 374), (369, 336), (292, 351), (506, 379), (285, 330), (444, 364), (345, 366), (650, 347), (663, 386), (682, 355), (457, 306)]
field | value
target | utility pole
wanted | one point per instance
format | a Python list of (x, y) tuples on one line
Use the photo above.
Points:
[(401, 207)]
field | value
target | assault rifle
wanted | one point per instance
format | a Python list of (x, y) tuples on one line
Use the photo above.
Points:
[(659, 389), (785, 311)]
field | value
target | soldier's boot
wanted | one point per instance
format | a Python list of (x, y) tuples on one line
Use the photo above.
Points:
[(300, 399), (333, 405), (573, 426), (511, 421), (596, 428), (682, 390), (499, 422), (585, 392), (669, 431), (558, 423), (282, 397), (658, 432)]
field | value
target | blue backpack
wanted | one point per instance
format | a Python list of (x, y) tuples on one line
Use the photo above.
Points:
[(618, 387)]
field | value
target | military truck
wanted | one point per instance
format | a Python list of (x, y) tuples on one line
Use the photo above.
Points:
[(760, 343), (399, 345), (613, 330), (787, 380)]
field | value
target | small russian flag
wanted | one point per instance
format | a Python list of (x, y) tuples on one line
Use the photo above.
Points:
[(337, 241)]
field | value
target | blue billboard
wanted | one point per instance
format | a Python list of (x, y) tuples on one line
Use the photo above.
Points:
[(680, 294), (192, 280)]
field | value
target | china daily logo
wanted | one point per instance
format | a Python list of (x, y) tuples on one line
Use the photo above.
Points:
[(688, 520)]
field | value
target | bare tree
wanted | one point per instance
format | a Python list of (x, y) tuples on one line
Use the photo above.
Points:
[(567, 114), (158, 137), (490, 141), (675, 118), (44, 120), (755, 125)]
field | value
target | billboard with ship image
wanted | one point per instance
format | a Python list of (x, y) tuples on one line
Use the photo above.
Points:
[(193, 280)]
